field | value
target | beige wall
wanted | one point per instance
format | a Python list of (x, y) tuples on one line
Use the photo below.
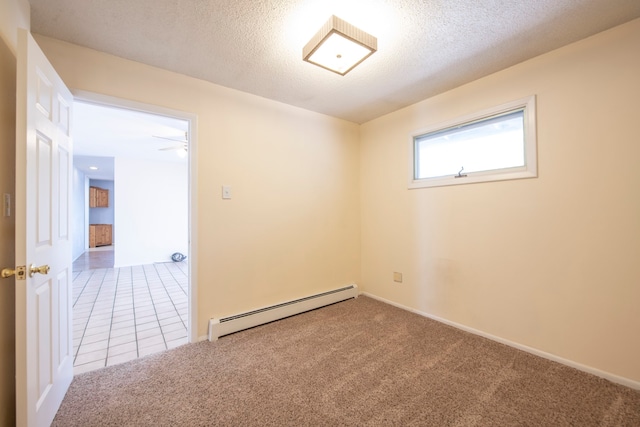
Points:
[(550, 263), (292, 227), (13, 14)]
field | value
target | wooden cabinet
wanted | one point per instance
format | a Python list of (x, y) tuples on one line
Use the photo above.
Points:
[(100, 235), (98, 197)]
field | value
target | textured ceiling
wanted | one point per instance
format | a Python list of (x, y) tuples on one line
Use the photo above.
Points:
[(425, 47)]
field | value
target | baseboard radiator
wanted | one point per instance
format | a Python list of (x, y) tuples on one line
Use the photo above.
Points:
[(239, 322)]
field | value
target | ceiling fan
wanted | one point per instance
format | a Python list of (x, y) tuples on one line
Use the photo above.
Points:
[(182, 146)]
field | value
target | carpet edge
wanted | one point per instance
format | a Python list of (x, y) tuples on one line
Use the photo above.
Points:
[(532, 350)]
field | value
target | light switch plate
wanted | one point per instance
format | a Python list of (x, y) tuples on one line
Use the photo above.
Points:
[(226, 192)]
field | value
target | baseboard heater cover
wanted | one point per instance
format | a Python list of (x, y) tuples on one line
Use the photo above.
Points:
[(239, 322)]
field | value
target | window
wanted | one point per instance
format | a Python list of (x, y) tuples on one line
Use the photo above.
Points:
[(492, 145)]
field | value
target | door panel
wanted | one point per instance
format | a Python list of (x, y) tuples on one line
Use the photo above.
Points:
[(64, 185), (44, 349), (43, 308), (63, 298), (43, 189)]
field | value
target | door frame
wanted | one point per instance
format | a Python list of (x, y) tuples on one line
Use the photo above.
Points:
[(192, 119)]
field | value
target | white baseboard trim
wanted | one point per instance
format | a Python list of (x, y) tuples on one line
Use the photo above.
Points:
[(219, 327), (606, 375)]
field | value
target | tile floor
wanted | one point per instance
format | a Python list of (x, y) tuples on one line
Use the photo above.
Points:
[(101, 257), (120, 314)]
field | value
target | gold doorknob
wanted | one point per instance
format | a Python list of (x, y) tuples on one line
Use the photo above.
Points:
[(43, 269), (20, 272), (7, 272)]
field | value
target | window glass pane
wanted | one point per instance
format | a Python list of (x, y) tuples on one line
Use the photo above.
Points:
[(484, 145)]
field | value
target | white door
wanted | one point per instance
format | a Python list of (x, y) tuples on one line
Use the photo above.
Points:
[(44, 347)]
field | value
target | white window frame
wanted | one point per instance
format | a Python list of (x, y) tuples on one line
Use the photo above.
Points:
[(529, 170)]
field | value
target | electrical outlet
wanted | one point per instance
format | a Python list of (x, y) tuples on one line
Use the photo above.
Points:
[(397, 277)]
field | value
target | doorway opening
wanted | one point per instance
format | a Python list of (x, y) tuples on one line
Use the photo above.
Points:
[(134, 192)]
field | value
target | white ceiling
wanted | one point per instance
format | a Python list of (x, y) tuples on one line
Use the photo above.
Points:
[(425, 47), (101, 133)]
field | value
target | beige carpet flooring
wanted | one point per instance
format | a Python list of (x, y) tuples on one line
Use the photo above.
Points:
[(360, 363)]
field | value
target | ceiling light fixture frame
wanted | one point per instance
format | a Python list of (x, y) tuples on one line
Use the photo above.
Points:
[(336, 26)]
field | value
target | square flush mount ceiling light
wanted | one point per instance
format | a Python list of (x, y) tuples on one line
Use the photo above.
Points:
[(339, 46)]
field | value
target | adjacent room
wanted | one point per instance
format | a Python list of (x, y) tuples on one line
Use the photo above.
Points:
[(129, 294), (454, 215)]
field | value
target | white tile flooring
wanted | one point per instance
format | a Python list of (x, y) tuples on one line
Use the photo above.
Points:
[(120, 314)]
